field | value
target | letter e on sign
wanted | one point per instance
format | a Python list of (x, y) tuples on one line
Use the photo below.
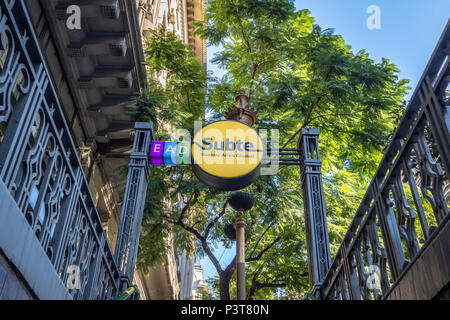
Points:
[(156, 153)]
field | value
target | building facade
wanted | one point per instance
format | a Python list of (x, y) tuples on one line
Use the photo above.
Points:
[(68, 70), (173, 279), (199, 286)]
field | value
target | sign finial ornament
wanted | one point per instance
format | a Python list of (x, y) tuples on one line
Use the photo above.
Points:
[(241, 112)]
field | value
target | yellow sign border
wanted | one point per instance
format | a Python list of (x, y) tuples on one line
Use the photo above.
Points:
[(243, 125)]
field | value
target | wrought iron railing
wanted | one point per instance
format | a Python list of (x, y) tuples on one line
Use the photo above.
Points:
[(405, 203), (40, 167)]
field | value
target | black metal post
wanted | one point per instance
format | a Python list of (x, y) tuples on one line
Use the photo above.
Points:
[(314, 206), (133, 204)]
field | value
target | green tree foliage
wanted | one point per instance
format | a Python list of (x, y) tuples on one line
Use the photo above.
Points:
[(175, 99), (296, 75)]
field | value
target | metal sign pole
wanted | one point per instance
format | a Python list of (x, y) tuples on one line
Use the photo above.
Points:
[(240, 258)]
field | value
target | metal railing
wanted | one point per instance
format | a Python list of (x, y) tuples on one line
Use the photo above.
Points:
[(405, 204), (40, 167)]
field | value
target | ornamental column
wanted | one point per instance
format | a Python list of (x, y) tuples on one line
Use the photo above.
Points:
[(319, 259), (133, 204)]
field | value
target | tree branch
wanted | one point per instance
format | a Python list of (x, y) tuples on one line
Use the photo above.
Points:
[(231, 266), (202, 241), (257, 286), (263, 251), (187, 205), (307, 121), (212, 223), (244, 38), (211, 256), (259, 240), (292, 138), (188, 228), (252, 79), (270, 285)]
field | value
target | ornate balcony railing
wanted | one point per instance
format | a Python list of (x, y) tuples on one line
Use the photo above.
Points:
[(39, 164), (405, 204)]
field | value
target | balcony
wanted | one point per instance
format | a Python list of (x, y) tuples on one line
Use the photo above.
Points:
[(52, 241)]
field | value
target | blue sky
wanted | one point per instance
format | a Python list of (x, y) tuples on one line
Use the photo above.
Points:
[(409, 33)]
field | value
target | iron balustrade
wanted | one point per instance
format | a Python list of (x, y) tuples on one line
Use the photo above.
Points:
[(40, 167), (406, 203)]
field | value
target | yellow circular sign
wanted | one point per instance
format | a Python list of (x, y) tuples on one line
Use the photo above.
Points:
[(228, 150)]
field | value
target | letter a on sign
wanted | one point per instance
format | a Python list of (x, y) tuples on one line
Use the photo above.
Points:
[(170, 153)]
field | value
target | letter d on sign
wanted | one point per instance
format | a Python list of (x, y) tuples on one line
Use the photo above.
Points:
[(183, 153)]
